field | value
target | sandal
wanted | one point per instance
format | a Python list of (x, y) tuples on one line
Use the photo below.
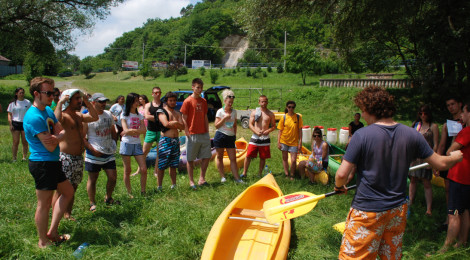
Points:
[(59, 239), (111, 201), (92, 207)]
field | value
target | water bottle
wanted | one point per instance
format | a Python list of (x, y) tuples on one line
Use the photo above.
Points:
[(266, 170), (78, 253)]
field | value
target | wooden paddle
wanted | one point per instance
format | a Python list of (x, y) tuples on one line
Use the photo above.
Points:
[(300, 203)]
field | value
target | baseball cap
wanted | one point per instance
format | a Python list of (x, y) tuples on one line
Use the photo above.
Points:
[(99, 97)]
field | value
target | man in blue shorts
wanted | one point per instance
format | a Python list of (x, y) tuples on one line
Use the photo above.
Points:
[(43, 133), (382, 153), (171, 123), (100, 144)]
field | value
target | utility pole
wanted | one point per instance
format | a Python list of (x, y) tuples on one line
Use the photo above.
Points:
[(185, 55), (285, 51), (143, 52)]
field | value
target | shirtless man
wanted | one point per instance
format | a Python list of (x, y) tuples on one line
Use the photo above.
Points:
[(262, 123), (153, 129), (169, 145), (72, 146)]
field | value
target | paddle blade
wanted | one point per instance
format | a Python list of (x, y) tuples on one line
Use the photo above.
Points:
[(290, 206), (340, 227)]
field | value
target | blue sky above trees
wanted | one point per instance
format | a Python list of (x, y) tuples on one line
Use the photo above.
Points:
[(123, 18)]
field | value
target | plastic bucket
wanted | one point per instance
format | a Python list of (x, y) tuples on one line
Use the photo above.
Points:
[(331, 136), (343, 135), (306, 134)]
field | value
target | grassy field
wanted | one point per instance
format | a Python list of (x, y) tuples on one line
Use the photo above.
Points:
[(174, 224)]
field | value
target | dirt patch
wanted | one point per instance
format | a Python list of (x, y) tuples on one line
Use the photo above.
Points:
[(63, 84)]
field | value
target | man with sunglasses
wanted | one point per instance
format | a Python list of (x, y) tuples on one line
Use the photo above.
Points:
[(43, 133), (100, 144), (56, 98), (73, 145)]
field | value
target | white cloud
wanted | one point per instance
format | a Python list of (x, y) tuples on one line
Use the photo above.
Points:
[(123, 18)]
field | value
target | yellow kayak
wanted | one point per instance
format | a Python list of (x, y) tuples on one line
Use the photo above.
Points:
[(242, 146), (303, 155), (240, 232)]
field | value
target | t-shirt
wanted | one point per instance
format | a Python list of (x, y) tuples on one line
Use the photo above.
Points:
[(355, 127), (116, 110), (461, 171), (133, 122), (38, 121), (383, 155), (227, 127), (196, 110), (290, 129), (18, 109), (99, 134)]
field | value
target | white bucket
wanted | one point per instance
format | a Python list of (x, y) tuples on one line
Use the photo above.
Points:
[(331, 136), (343, 135), (306, 134)]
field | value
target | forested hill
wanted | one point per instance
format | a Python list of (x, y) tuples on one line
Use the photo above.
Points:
[(202, 27)]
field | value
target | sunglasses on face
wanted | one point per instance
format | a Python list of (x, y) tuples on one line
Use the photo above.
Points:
[(102, 102), (232, 97), (316, 135), (48, 93), (157, 92), (291, 107)]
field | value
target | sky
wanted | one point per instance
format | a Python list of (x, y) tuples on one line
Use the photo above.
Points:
[(124, 18)]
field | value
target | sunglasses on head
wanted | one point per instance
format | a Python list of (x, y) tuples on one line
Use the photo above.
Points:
[(48, 93)]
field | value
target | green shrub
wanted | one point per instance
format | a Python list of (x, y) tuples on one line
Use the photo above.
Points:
[(280, 68), (202, 71), (214, 76), (270, 69), (248, 72), (255, 75), (167, 73), (265, 74), (182, 70), (133, 74)]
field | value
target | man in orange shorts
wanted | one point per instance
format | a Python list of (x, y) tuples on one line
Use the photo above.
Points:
[(262, 123), (382, 153)]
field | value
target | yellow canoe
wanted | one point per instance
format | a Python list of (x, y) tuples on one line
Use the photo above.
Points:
[(246, 238), (242, 146)]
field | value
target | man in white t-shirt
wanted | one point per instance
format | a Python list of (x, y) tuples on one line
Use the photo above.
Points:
[(100, 144)]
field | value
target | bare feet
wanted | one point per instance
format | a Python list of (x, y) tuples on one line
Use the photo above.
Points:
[(69, 217), (428, 213)]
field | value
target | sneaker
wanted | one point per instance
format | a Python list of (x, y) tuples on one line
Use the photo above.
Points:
[(159, 188), (242, 176), (173, 186), (239, 181), (223, 180)]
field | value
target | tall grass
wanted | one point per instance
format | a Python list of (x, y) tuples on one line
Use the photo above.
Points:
[(174, 224)]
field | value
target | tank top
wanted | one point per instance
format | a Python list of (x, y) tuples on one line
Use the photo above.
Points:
[(319, 152), (153, 126)]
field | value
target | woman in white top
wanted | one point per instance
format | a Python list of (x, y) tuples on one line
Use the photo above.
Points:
[(226, 124), (16, 111), (133, 126)]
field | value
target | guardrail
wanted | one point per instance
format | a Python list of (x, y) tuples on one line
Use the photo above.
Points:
[(362, 83)]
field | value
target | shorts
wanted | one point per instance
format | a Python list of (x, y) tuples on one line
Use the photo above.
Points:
[(222, 140), (17, 126), (93, 167), (130, 149), (264, 151), (290, 149), (458, 198), (443, 174), (72, 166), (368, 234), (168, 152), (152, 136), (198, 146), (46, 174)]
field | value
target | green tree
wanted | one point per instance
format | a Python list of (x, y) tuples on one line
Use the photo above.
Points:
[(214, 75), (304, 59), (86, 66)]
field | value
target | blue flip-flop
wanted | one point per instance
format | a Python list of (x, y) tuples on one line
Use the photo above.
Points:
[(193, 187), (204, 184)]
